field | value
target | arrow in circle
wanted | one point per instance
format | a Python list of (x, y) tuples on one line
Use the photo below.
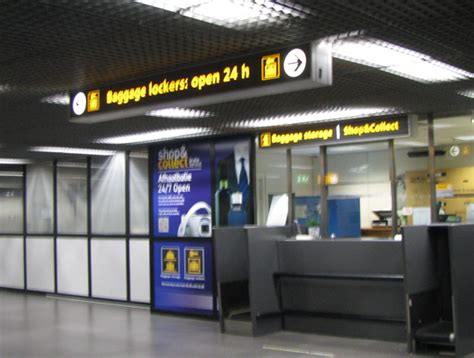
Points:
[(298, 63)]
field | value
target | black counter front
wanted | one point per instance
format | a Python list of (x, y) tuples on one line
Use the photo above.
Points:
[(342, 287)]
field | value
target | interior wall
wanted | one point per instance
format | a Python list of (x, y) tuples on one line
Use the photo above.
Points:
[(58, 253)]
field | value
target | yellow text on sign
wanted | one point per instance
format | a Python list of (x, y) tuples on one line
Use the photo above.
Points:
[(165, 86), (268, 139), (370, 128)]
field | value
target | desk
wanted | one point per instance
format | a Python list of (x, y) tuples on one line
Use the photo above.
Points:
[(377, 231)]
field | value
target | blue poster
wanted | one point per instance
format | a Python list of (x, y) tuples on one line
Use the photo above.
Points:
[(181, 190), (233, 192), (183, 277)]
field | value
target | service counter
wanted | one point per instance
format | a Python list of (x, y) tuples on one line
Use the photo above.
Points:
[(268, 281), (342, 287), (419, 290)]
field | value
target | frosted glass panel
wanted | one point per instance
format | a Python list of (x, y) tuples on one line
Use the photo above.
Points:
[(139, 195), (140, 270), (72, 198), (11, 202), (72, 266), (40, 263), (39, 196), (271, 180), (11, 262), (109, 277), (108, 195)]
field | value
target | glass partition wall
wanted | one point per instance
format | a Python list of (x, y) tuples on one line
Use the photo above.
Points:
[(359, 201), (77, 227), (454, 169), (361, 191)]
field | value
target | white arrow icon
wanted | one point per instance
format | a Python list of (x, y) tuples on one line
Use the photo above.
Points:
[(294, 63)]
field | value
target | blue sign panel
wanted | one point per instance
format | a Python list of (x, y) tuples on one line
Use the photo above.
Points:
[(181, 190), (233, 194), (183, 276)]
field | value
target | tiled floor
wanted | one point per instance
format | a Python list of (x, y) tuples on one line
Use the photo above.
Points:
[(37, 326)]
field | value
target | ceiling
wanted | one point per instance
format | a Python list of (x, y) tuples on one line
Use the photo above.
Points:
[(49, 47)]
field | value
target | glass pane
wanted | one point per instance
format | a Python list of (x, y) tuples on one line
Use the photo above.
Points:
[(359, 202), (39, 198), (305, 173), (11, 201), (72, 197), (454, 139), (139, 193), (413, 184), (108, 195), (271, 180)]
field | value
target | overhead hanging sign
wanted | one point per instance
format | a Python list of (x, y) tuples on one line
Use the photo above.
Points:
[(339, 132), (272, 72)]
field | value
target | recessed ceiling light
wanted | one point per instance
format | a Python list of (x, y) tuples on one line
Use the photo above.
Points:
[(10, 174), (397, 60), (315, 116), (4, 88), (14, 161), (232, 13), (68, 150), (467, 93), (61, 99), (154, 136), (465, 138), (180, 113), (410, 143)]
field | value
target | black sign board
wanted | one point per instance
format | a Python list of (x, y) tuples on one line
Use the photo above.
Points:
[(355, 130), (277, 71)]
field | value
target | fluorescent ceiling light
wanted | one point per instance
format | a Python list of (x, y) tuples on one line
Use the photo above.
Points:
[(61, 99), (154, 136), (232, 13), (396, 60), (347, 149), (315, 116), (4, 88), (82, 165), (465, 137), (14, 161), (180, 113), (139, 155), (467, 93), (410, 143), (10, 174), (299, 167), (68, 150)]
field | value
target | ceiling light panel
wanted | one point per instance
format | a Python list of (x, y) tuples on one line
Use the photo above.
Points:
[(78, 151), (180, 113), (232, 13), (465, 138), (467, 93), (318, 116), (397, 60), (14, 161), (154, 136), (61, 99), (4, 88)]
